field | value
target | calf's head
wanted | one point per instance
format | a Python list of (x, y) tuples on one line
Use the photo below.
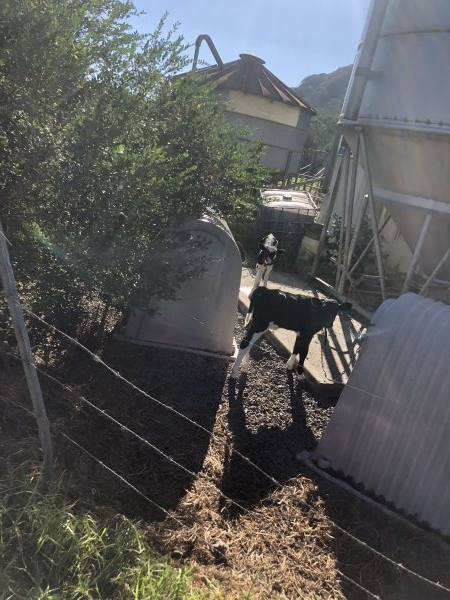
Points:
[(330, 309), (269, 250)]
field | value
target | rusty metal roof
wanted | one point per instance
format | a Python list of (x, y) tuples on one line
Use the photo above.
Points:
[(249, 75)]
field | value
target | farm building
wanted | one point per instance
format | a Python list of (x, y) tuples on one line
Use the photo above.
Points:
[(393, 162), (276, 116)]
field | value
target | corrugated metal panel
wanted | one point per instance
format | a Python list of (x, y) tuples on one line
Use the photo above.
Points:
[(390, 430)]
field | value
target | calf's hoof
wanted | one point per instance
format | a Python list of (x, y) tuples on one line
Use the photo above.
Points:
[(300, 373)]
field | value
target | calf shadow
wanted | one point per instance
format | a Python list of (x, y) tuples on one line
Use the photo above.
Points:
[(258, 462)]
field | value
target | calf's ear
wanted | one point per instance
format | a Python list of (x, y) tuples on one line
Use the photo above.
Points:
[(260, 246), (280, 251), (345, 306)]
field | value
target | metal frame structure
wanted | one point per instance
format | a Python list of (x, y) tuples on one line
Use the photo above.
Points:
[(354, 130)]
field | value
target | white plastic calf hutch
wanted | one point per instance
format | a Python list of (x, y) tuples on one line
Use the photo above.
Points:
[(390, 430), (203, 316)]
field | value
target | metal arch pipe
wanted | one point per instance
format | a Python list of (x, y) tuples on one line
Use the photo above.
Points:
[(208, 40)]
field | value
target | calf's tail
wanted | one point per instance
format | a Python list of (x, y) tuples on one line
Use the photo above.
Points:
[(248, 316)]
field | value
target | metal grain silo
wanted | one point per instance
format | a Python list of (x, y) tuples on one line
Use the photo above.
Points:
[(395, 126), (274, 114)]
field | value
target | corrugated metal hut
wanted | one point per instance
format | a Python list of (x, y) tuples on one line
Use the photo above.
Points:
[(201, 319), (275, 114), (390, 430)]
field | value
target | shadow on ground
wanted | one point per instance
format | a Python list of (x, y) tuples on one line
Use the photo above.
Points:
[(172, 420), (371, 547), (272, 448)]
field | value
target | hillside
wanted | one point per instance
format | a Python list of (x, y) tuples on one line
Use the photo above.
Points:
[(325, 90)]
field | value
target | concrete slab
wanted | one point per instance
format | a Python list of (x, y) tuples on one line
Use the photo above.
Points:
[(327, 363)]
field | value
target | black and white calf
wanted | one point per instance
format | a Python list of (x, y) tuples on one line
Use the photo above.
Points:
[(276, 309), (268, 251)]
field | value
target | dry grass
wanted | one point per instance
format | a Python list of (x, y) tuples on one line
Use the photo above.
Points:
[(279, 549)]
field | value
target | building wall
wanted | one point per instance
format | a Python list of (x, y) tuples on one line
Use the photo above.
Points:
[(279, 140), (261, 108), (281, 128)]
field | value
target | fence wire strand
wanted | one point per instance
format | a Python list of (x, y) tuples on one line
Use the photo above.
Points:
[(341, 530), (149, 500)]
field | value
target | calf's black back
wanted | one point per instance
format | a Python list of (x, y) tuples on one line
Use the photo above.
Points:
[(294, 312)]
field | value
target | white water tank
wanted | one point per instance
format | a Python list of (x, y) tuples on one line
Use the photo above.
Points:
[(286, 214)]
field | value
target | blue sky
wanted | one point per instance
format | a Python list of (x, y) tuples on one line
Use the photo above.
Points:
[(295, 38)]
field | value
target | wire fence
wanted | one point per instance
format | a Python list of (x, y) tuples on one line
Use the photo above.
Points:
[(400, 567)]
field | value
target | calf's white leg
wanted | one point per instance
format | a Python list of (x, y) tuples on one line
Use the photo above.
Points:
[(244, 363), (291, 362), (258, 276), (266, 275), (243, 354)]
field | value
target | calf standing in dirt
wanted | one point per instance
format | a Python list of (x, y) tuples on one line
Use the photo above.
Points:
[(272, 308)]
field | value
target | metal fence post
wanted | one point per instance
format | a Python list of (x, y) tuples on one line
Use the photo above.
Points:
[(23, 342)]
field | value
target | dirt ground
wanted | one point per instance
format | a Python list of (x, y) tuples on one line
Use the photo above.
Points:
[(220, 485)]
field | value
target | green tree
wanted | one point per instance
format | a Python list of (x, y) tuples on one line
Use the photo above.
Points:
[(104, 148), (320, 139), (326, 92)]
